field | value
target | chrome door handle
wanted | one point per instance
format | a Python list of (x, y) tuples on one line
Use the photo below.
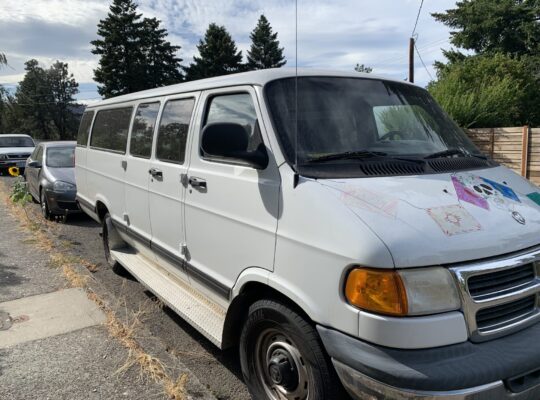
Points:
[(156, 173), (197, 182)]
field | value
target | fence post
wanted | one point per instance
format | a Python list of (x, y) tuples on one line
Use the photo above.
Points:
[(525, 151), (492, 142)]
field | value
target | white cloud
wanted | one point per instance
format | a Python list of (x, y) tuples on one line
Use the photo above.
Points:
[(336, 34)]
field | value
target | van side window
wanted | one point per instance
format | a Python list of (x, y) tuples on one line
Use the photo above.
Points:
[(237, 108), (110, 131), (142, 132), (84, 128), (173, 130)]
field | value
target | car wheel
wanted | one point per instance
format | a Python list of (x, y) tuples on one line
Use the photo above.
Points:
[(44, 206), (111, 241), (282, 356)]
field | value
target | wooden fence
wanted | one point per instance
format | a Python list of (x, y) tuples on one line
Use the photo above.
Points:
[(517, 148)]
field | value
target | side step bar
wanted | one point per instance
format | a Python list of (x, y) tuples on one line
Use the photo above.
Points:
[(207, 317)]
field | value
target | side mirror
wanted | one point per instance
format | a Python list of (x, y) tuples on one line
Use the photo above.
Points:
[(34, 164), (230, 141)]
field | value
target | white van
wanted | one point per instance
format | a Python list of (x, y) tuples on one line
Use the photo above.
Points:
[(330, 225)]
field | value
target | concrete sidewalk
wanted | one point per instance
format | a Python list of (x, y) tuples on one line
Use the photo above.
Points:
[(53, 344)]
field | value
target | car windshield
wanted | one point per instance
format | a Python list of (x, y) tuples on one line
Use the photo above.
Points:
[(16, 141), (61, 157), (359, 116)]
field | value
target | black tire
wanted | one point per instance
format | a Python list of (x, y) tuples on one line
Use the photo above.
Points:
[(44, 205), (281, 351), (111, 241)]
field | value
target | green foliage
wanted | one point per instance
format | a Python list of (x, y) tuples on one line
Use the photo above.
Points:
[(134, 53), (265, 51), (489, 91), (363, 68), (505, 26), (42, 106), (218, 55), (19, 192)]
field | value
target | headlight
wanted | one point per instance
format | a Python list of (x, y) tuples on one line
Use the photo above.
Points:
[(405, 292), (60, 186), (3, 157)]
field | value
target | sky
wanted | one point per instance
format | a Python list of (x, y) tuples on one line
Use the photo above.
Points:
[(335, 34)]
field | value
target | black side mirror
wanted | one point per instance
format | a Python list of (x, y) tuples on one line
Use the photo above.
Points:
[(34, 164), (230, 141)]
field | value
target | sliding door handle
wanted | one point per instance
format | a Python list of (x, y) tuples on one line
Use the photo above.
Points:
[(197, 182), (156, 173)]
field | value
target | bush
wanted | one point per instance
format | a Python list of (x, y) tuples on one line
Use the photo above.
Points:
[(489, 91)]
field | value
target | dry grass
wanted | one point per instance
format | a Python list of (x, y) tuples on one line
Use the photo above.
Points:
[(150, 367)]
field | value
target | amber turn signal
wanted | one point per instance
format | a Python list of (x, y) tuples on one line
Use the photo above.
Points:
[(378, 291)]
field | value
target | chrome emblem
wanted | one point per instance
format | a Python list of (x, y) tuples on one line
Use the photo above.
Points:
[(518, 217)]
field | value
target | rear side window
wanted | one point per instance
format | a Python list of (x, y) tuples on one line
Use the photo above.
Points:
[(84, 128), (237, 108), (173, 130), (143, 130), (110, 131)]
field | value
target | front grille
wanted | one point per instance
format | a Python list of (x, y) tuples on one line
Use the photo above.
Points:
[(500, 295), (488, 284), (492, 318), (13, 156)]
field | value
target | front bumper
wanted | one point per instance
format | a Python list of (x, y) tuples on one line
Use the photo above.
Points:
[(503, 369), (62, 203)]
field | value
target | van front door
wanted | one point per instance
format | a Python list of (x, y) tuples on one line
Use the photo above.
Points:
[(231, 209), (167, 191)]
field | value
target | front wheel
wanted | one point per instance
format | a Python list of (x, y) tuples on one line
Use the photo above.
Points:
[(282, 356), (45, 211)]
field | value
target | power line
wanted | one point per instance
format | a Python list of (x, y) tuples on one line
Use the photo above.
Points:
[(417, 18), (420, 57)]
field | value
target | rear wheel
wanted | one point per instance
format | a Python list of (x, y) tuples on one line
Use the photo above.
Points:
[(282, 356), (111, 241)]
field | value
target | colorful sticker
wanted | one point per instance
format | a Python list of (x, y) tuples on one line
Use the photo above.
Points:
[(375, 202), (535, 196), (505, 190), (468, 195), (454, 220)]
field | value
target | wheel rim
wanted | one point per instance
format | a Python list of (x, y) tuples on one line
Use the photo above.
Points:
[(280, 367), (44, 208)]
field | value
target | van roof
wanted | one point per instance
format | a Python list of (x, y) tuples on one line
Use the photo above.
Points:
[(257, 78), (15, 135)]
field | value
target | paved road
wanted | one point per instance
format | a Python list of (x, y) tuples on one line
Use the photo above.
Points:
[(218, 371)]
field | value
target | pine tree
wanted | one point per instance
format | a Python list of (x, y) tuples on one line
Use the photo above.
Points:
[(120, 66), (265, 51), (161, 63), (218, 55)]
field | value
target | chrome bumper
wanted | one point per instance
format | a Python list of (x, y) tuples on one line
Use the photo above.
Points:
[(362, 387)]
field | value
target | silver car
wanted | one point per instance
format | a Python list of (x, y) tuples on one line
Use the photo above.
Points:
[(50, 176)]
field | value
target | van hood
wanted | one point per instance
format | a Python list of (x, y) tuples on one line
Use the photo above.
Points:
[(446, 218)]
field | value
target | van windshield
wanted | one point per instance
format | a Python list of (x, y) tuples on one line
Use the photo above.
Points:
[(16, 141), (361, 117)]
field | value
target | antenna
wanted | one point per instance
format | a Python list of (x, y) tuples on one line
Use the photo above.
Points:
[(296, 90)]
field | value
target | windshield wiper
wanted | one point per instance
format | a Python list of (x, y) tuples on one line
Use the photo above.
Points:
[(360, 154), (453, 152)]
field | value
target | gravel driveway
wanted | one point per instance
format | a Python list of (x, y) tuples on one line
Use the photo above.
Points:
[(217, 370)]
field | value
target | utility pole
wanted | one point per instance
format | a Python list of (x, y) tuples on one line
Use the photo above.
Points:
[(411, 60)]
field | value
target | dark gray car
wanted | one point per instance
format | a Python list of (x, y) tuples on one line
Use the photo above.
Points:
[(50, 176)]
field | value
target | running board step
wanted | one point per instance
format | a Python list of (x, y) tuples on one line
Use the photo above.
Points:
[(205, 316)]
